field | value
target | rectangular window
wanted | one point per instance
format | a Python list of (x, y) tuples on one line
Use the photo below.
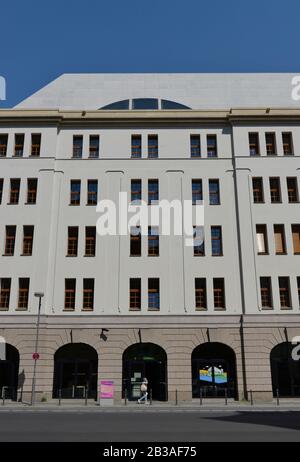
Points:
[(135, 241), (258, 190), (5, 293), (214, 192), (1, 189), (275, 190), (199, 246), (287, 142), (153, 294), (266, 293), (35, 144), (90, 241), (262, 240), (153, 241), (28, 232), (70, 294), (195, 146), (284, 293), (152, 146), (77, 146), (296, 238), (216, 241), (212, 150), (3, 145), (197, 194), (72, 241), (254, 144), (219, 293), (279, 236), (271, 144), (14, 190), (292, 187), (19, 145), (10, 240), (92, 198), (136, 146), (200, 294), (136, 190), (135, 294), (88, 295), (94, 146), (23, 294), (298, 286), (75, 192), (153, 191), (32, 190)]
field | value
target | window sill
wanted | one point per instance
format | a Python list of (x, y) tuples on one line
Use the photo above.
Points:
[(263, 253), (7, 255), (135, 309), (267, 308), (91, 205), (199, 255), (281, 253), (219, 255), (220, 309), (135, 256), (4, 309), (286, 308), (30, 203), (201, 309), (87, 310), (155, 256), (26, 255), (71, 256), (74, 205), (21, 309), (69, 310), (296, 253), (89, 256), (12, 203)]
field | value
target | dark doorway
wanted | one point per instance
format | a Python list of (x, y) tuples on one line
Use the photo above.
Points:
[(214, 371), (145, 360), (9, 370), (75, 372), (285, 371)]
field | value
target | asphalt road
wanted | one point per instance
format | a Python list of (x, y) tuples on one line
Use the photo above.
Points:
[(149, 426)]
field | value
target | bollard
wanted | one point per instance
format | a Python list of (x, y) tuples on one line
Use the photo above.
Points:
[(251, 397), (59, 397), (277, 396), (150, 396), (226, 397), (201, 398), (176, 397)]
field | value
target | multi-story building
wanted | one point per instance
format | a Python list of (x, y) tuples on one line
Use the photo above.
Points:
[(218, 316)]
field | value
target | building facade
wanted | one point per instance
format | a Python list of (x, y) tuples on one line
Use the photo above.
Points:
[(216, 317)]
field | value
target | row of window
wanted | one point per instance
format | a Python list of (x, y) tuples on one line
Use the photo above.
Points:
[(275, 190), (271, 147), (284, 292), (19, 144), (14, 191), (279, 239)]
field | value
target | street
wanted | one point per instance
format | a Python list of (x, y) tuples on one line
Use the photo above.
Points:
[(148, 425)]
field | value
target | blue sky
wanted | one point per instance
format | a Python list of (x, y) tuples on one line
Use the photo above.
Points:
[(41, 39)]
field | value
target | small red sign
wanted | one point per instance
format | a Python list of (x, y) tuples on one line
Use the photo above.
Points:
[(35, 356)]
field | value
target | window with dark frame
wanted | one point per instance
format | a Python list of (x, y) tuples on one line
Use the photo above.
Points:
[(258, 190), (28, 232), (94, 146), (262, 240), (3, 144), (284, 293), (75, 192), (70, 294), (214, 192), (88, 295), (135, 241), (153, 146), (275, 190), (72, 241), (153, 241), (23, 293), (254, 144), (32, 184), (271, 144), (197, 192), (266, 293), (199, 242), (279, 237), (10, 241), (216, 241), (19, 145), (36, 144), (195, 146), (14, 191), (1, 189), (77, 146), (212, 150), (5, 293), (90, 241), (219, 294), (92, 198), (292, 188), (136, 191), (200, 294), (296, 238), (298, 286), (153, 191), (136, 146), (287, 143), (135, 294), (153, 294)]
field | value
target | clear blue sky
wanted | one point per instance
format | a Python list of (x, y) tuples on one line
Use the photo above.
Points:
[(41, 39)]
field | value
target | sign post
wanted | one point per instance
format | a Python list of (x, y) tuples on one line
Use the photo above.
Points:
[(107, 393)]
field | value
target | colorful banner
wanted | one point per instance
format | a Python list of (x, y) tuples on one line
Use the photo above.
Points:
[(206, 375), (107, 389)]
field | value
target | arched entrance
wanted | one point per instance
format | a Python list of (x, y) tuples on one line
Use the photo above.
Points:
[(285, 371), (9, 371), (75, 371), (214, 371), (145, 360)]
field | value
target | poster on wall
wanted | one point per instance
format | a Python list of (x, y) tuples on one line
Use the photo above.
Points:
[(213, 374), (107, 392)]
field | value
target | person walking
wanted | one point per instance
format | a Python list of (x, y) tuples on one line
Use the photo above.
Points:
[(144, 391)]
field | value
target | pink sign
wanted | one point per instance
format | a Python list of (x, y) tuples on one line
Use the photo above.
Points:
[(107, 389)]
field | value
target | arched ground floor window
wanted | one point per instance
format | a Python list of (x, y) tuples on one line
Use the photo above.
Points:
[(285, 371), (9, 371)]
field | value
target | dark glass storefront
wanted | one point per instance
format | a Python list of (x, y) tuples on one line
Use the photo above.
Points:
[(9, 371), (285, 371)]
